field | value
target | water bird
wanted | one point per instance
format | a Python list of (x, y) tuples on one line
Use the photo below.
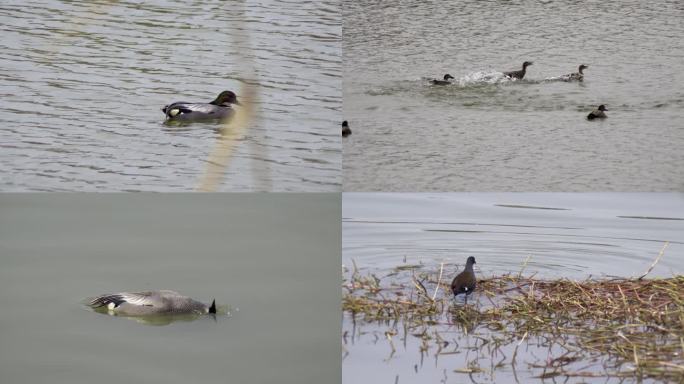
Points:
[(346, 131), (576, 76), (465, 281), (598, 113), (442, 82), (218, 109), (518, 74), (161, 302)]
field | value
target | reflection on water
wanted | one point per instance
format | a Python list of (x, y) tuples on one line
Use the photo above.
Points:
[(487, 133), (396, 238), (221, 312), (84, 84)]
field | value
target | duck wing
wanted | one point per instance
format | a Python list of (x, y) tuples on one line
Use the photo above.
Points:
[(145, 299)]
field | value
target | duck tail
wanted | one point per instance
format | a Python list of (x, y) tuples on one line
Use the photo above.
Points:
[(212, 309)]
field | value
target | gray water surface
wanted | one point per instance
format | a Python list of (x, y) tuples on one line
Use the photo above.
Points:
[(83, 84), (278, 276), (575, 236), (485, 133)]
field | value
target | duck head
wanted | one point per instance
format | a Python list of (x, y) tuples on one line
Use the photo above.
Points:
[(226, 98), (602, 108), (527, 64), (470, 261), (345, 124), (447, 77), (582, 68)]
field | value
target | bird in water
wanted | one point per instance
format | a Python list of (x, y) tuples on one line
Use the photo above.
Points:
[(576, 76), (465, 281), (346, 131), (150, 303), (445, 80), (598, 113), (518, 74), (218, 109)]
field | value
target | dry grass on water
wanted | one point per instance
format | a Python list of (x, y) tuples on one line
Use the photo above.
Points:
[(634, 326)]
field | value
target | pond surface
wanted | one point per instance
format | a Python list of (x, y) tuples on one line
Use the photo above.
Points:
[(84, 83), (566, 235), (279, 279), (484, 133)]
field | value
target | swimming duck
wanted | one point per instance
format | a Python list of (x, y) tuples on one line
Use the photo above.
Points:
[(346, 131), (442, 82), (598, 113), (518, 74), (219, 109), (577, 76), (151, 303), (465, 281)]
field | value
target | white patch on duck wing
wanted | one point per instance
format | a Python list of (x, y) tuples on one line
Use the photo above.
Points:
[(144, 299)]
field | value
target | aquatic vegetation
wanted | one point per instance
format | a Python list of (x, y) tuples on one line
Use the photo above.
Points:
[(613, 328)]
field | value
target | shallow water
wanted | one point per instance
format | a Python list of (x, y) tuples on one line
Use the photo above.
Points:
[(485, 134), (83, 86), (279, 278), (574, 236)]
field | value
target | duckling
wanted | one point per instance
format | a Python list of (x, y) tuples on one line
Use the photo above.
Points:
[(465, 281), (577, 76), (598, 113), (219, 109), (518, 74), (346, 131), (442, 82), (162, 302)]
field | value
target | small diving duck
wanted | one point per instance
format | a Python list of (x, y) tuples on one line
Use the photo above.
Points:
[(346, 131), (219, 109), (518, 74), (151, 303), (442, 82), (598, 113), (577, 76)]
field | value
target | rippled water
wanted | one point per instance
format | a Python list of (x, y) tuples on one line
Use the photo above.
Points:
[(567, 235), (488, 134), (83, 84)]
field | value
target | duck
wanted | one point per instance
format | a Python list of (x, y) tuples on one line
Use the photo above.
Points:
[(598, 113), (346, 131), (163, 302), (218, 109), (465, 281), (518, 74), (442, 82), (577, 76)]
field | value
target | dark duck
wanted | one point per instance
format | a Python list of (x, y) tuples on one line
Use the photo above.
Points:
[(445, 80), (218, 109), (576, 76), (465, 281), (598, 113), (518, 74), (346, 131)]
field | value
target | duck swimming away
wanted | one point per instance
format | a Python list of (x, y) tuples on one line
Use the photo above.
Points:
[(162, 302), (442, 82), (598, 113), (576, 76), (218, 109), (518, 74), (465, 281), (346, 131)]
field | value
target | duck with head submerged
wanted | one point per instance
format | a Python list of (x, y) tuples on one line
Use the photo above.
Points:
[(161, 302), (218, 109), (598, 113), (445, 80), (518, 74), (576, 76)]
